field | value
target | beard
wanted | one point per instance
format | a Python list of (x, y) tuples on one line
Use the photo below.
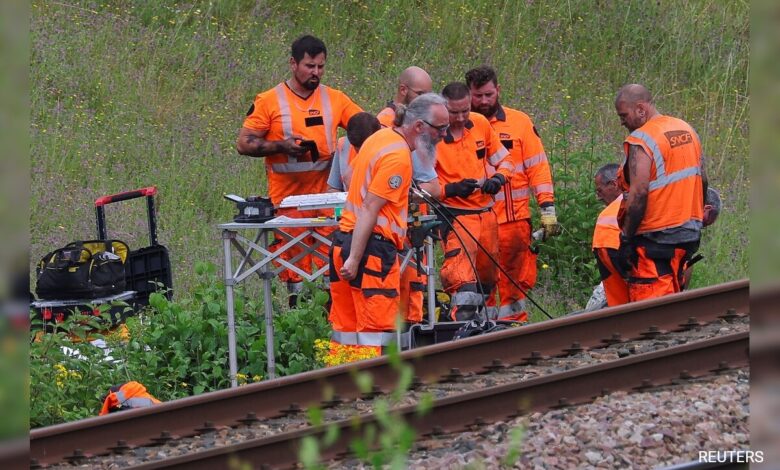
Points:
[(425, 146), (311, 84), (487, 110)]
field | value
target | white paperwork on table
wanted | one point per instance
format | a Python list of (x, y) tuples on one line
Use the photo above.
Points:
[(315, 201)]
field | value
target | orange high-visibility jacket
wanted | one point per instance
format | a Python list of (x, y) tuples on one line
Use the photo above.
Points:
[(283, 114), (383, 167), (387, 115), (606, 234), (470, 157), (127, 396), (531, 167), (675, 197)]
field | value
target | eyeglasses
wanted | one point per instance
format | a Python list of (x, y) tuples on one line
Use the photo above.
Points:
[(416, 92), (442, 128)]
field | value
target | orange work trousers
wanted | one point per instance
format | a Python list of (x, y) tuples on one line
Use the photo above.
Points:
[(308, 262), (615, 287), (368, 303), (462, 257), (517, 260), (658, 268), (411, 293)]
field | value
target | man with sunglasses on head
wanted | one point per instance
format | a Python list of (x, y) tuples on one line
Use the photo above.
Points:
[(530, 177), (473, 166)]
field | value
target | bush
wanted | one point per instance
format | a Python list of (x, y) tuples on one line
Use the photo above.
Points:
[(176, 349), (568, 269)]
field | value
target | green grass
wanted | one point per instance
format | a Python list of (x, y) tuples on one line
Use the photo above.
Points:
[(130, 94)]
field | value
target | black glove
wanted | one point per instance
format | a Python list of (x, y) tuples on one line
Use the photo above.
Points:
[(493, 184), (462, 188), (627, 256)]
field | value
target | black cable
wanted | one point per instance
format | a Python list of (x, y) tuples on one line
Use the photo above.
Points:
[(437, 206), (463, 244)]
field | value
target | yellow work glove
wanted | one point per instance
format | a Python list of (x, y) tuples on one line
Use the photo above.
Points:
[(550, 222)]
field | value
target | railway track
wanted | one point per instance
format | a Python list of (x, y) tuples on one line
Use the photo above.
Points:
[(431, 364)]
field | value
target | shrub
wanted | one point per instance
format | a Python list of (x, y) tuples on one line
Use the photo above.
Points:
[(175, 348)]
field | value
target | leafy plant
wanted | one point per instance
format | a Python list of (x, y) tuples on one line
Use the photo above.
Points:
[(175, 348), (385, 443)]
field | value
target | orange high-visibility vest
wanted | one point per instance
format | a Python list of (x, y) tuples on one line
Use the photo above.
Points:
[(127, 396), (283, 114), (383, 167), (606, 234), (675, 197), (387, 115), (531, 173), (478, 154)]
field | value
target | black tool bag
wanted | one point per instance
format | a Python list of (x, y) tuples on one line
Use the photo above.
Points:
[(83, 270)]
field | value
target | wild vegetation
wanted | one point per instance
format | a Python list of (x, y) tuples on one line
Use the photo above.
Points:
[(130, 94), (176, 349)]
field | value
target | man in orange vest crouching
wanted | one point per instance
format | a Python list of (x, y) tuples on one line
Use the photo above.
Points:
[(606, 235), (663, 174), (364, 268)]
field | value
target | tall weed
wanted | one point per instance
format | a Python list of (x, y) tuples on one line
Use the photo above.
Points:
[(129, 94)]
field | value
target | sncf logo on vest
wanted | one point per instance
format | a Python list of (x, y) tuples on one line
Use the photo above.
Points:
[(677, 138), (314, 112)]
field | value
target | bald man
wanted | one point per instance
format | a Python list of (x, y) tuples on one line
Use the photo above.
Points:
[(412, 83), (665, 184)]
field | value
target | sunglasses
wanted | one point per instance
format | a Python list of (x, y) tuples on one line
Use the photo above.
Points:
[(442, 128)]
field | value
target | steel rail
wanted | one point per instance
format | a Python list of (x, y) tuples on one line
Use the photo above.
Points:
[(269, 399), (459, 412)]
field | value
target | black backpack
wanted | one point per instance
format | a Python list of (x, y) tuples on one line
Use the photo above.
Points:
[(83, 270), (475, 328)]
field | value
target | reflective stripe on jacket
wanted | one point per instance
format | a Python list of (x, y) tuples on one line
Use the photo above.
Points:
[(283, 114), (675, 196), (383, 166), (477, 154), (127, 396), (531, 169), (606, 234)]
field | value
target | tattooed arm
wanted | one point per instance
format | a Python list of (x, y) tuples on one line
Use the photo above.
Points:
[(639, 164), (254, 144)]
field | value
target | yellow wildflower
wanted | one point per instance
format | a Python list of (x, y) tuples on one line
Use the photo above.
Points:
[(64, 375)]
